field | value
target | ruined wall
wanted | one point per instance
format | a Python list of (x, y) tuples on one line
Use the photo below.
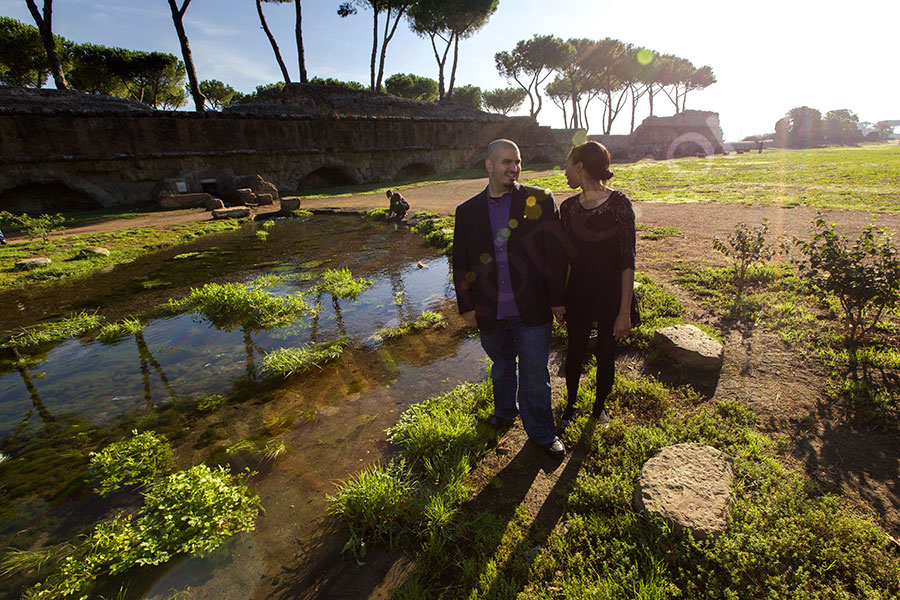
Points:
[(123, 157), (689, 133)]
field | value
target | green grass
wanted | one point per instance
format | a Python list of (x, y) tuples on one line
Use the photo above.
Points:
[(124, 246), (290, 361), (863, 178), (341, 284), (233, 305), (427, 320), (659, 232), (44, 333), (786, 538), (138, 460), (114, 331)]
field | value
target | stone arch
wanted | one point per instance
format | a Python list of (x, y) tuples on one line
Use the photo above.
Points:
[(416, 169), (41, 190), (327, 176), (690, 144)]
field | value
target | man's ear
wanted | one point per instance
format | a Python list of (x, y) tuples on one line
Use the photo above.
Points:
[(488, 165)]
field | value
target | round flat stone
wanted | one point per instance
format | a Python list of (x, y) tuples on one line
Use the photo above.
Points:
[(689, 485)]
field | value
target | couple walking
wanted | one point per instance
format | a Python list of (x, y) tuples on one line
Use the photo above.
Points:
[(518, 262)]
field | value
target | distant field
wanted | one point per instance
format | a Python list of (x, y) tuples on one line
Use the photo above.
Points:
[(864, 178)]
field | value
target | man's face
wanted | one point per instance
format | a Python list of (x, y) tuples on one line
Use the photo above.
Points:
[(504, 167)]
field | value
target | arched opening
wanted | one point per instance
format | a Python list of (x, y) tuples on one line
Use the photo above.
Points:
[(414, 170), (326, 177), (38, 198)]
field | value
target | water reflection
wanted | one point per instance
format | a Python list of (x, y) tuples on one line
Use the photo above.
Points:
[(338, 414)]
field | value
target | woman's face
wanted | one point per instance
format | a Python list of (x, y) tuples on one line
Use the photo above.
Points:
[(573, 174)]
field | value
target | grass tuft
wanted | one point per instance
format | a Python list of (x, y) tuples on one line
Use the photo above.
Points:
[(290, 361)]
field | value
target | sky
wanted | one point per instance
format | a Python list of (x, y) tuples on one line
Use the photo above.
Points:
[(768, 56)]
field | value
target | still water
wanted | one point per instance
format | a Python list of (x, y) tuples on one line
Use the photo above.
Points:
[(79, 394)]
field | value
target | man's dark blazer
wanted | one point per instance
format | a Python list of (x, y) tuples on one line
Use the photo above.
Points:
[(536, 254)]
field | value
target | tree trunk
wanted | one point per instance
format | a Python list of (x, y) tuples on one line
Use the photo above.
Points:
[(650, 94), (265, 26), (374, 50), (177, 15), (45, 26), (384, 44), (441, 61), (455, 37), (299, 31)]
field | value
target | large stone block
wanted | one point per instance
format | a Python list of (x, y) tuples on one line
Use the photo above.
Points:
[(264, 199), (235, 212), (689, 485), (688, 345), (244, 195), (197, 200), (290, 203)]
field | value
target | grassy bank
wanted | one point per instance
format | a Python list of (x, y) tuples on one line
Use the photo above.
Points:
[(124, 246), (855, 178), (785, 534)]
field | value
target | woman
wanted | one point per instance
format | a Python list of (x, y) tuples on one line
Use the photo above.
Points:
[(600, 226)]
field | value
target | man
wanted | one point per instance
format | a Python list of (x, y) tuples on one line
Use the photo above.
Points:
[(398, 206), (509, 268)]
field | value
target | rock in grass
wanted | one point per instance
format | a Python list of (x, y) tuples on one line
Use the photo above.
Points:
[(235, 212), (94, 251), (688, 345), (690, 486), (33, 263), (214, 203), (184, 200), (264, 199)]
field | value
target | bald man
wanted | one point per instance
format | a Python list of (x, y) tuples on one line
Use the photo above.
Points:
[(509, 269)]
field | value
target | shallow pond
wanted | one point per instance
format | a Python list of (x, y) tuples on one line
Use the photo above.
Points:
[(77, 395)]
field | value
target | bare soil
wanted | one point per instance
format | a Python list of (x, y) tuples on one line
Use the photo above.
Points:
[(785, 388)]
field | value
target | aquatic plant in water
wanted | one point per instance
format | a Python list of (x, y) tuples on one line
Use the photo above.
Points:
[(427, 320), (44, 333), (288, 361), (232, 305), (114, 331), (341, 284), (139, 460), (188, 512)]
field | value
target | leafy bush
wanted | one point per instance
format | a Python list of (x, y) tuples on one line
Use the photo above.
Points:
[(139, 460), (36, 227), (188, 512), (746, 247), (865, 277), (377, 214)]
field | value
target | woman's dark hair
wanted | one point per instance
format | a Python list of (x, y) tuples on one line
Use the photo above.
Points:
[(595, 158)]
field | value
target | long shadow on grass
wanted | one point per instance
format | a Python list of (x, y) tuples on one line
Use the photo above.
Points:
[(515, 481)]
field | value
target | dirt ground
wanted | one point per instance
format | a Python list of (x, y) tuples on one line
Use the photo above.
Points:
[(786, 391)]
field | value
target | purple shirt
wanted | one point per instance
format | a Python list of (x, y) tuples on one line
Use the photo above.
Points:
[(498, 211)]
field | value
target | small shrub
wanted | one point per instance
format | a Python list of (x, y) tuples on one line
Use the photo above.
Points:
[(746, 247), (39, 226), (301, 213), (262, 235), (865, 277), (138, 460)]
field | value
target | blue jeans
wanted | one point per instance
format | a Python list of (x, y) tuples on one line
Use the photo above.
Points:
[(511, 339)]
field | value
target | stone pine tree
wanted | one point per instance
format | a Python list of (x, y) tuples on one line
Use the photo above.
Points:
[(193, 83), (531, 62), (265, 27), (393, 11), (44, 22), (448, 21), (298, 32)]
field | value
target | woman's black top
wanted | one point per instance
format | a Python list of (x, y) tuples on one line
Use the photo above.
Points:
[(602, 246)]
